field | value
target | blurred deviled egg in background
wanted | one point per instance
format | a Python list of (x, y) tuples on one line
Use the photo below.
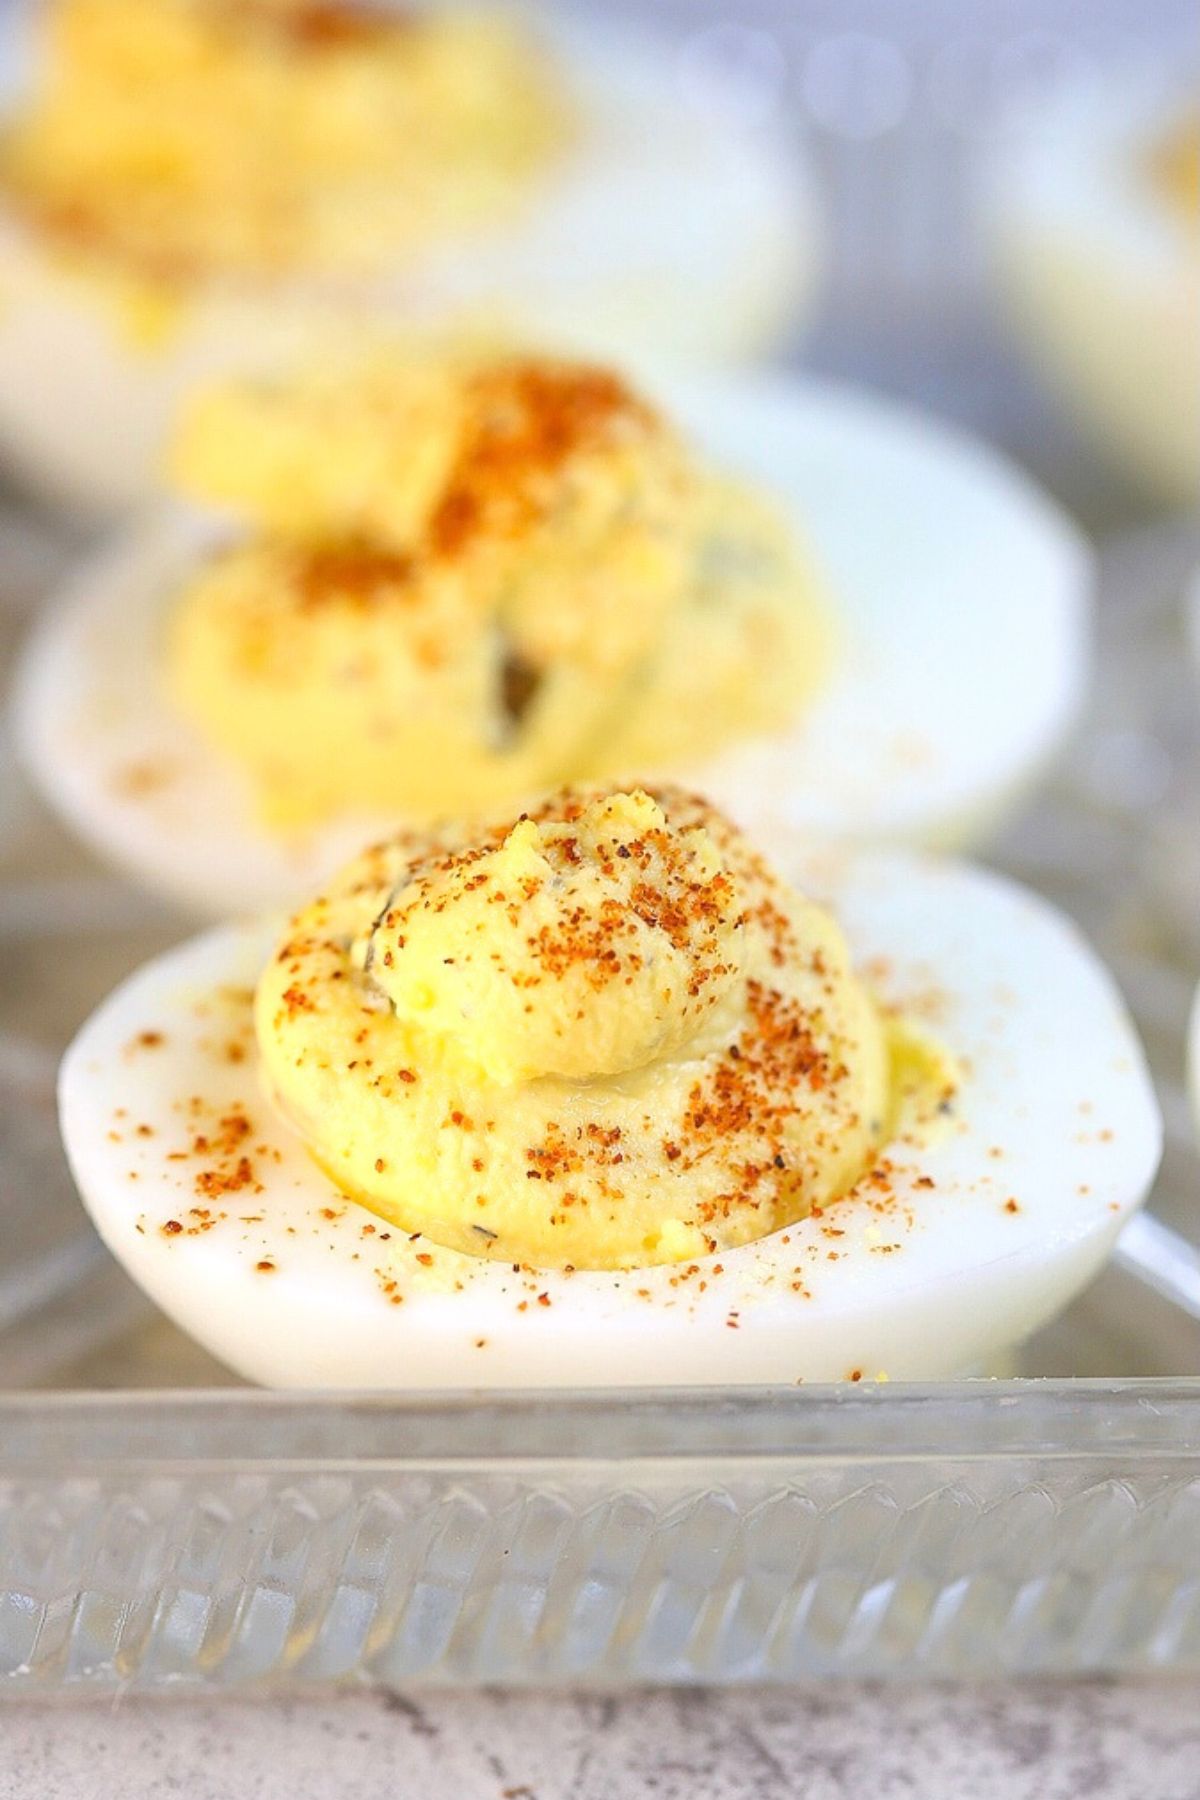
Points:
[(190, 186), (428, 584), (1093, 210)]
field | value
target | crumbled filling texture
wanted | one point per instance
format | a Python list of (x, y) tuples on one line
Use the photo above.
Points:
[(600, 1035), (176, 139), (469, 574)]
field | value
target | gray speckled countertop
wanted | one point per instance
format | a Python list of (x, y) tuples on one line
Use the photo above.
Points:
[(1124, 1741)]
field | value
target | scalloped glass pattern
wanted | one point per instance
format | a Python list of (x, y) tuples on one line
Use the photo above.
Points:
[(965, 1530)]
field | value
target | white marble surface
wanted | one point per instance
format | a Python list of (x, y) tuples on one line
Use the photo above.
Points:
[(1127, 1741)]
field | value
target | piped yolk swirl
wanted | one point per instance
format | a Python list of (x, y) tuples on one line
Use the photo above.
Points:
[(601, 1035)]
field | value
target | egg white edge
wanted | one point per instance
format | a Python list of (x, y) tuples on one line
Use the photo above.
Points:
[(1073, 163), (1053, 1064), (1067, 176), (953, 532), (962, 609), (83, 409)]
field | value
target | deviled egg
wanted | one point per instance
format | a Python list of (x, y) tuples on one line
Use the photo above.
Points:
[(192, 186), (1094, 208), (445, 583), (599, 1095)]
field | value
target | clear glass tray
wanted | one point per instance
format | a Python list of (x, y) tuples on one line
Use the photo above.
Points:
[(162, 1527)]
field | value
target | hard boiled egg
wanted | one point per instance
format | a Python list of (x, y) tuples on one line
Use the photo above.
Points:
[(666, 223), (1094, 232), (953, 1246), (959, 599)]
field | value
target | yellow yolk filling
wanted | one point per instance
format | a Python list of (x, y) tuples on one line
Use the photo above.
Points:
[(471, 577), (603, 1035), (184, 137)]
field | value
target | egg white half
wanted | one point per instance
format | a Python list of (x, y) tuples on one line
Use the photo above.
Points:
[(1101, 274), (672, 227), (1053, 1142), (961, 599)]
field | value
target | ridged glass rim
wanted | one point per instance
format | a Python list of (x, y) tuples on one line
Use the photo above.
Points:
[(84, 1433)]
